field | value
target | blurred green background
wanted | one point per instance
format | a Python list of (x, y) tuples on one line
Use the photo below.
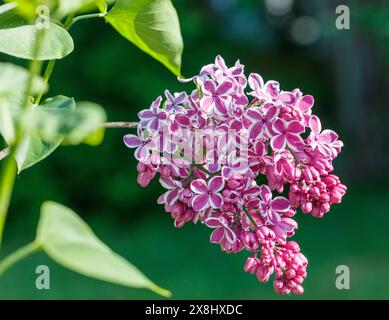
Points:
[(292, 41)]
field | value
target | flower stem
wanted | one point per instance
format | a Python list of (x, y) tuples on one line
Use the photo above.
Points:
[(88, 16), (9, 168), (7, 181), (51, 64), (200, 167), (120, 125), (18, 255), (46, 77), (250, 218)]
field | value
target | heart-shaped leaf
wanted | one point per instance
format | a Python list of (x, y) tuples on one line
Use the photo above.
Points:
[(85, 124), (20, 42), (59, 117), (11, 96), (153, 26), (13, 80), (33, 148), (57, 121), (69, 241)]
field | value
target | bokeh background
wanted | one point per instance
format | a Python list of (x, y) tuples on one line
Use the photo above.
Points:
[(292, 41)]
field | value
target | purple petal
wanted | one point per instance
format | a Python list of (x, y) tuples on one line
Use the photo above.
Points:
[(254, 114), (181, 97), (156, 104), (153, 124), (220, 106), (306, 103), (169, 96), (315, 125), (287, 97), (223, 88), (253, 191), (216, 184), (259, 148), (146, 114), (219, 62), (217, 235), (213, 167), (255, 81), (200, 202), (209, 87), (278, 143), (213, 222), (172, 196), (265, 193), (241, 100), (295, 142), (255, 130), (279, 125), (230, 235), (280, 204), (162, 199), (295, 127), (272, 88), (162, 115), (207, 105), (167, 183), (141, 154), (271, 113), (132, 141), (199, 186), (216, 200), (183, 120)]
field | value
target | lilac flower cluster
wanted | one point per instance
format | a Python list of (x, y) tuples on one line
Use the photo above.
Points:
[(212, 148)]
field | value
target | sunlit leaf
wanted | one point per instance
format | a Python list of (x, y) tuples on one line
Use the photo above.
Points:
[(33, 148), (20, 42), (7, 128), (85, 124), (69, 241), (27, 8), (70, 6), (7, 7), (153, 26), (13, 80), (59, 117)]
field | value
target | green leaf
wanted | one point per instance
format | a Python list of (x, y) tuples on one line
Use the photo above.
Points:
[(33, 148), (153, 26), (70, 6), (69, 241), (13, 80), (7, 7), (7, 128), (59, 117), (20, 42), (85, 124), (27, 8), (57, 121)]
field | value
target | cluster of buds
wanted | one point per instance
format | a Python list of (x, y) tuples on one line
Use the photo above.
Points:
[(212, 147)]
